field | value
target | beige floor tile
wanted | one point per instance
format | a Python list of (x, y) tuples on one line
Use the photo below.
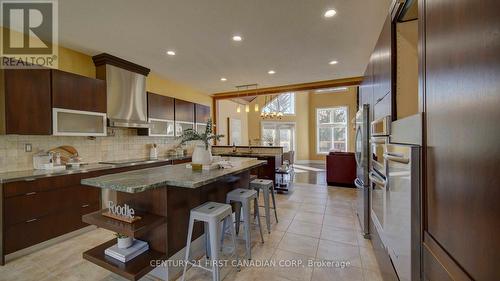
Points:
[(299, 244), (312, 208), (32, 272), (339, 211), (335, 251), (308, 217), (294, 273), (349, 273), (312, 200), (339, 235), (340, 222), (282, 225), (371, 275), (304, 228), (368, 259), (363, 242)]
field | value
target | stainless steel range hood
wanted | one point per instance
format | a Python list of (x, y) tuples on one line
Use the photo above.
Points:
[(126, 91)]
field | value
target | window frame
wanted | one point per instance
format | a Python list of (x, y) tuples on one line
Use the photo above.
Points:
[(333, 126), (294, 103)]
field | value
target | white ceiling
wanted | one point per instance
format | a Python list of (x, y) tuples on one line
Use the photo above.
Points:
[(289, 36)]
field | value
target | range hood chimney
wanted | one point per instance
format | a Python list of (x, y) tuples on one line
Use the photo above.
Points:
[(126, 91)]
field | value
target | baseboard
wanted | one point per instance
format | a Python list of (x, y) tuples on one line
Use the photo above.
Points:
[(310, 162)]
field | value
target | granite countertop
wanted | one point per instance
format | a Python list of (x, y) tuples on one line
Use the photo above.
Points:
[(34, 174), (173, 175), (243, 154)]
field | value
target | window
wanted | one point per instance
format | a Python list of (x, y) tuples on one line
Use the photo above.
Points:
[(284, 102), (331, 129), (279, 134)]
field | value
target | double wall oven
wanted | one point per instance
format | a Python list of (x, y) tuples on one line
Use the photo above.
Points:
[(380, 131)]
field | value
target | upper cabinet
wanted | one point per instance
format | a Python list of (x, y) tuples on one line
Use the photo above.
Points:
[(161, 107), (184, 111), (202, 113), (45, 102), (378, 85), (161, 116), (184, 116), (26, 94), (76, 92), (382, 71)]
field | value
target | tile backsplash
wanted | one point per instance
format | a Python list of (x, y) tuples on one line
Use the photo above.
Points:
[(119, 144)]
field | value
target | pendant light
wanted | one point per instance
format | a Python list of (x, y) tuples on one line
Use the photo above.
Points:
[(238, 109), (256, 107)]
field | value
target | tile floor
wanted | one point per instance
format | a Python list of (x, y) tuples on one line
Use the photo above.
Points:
[(316, 223)]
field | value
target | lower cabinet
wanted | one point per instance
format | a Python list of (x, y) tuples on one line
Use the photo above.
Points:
[(36, 210)]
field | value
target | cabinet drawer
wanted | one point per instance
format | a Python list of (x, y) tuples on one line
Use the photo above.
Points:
[(26, 234), (23, 208), (42, 184)]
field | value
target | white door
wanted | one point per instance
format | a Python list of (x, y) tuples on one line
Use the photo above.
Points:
[(279, 134)]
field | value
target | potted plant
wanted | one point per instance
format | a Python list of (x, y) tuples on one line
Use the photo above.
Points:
[(202, 153), (124, 241)]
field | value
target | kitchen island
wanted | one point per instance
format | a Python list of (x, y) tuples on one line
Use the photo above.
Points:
[(162, 197)]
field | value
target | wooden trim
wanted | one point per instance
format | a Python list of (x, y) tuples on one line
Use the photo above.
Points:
[(104, 58), (354, 81), (445, 260)]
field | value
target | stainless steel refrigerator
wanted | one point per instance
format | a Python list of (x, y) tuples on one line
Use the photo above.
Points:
[(362, 182)]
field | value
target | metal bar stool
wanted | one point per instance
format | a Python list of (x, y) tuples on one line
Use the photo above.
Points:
[(211, 213), (244, 198), (267, 188)]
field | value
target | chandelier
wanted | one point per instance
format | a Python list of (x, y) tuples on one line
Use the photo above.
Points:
[(272, 112)]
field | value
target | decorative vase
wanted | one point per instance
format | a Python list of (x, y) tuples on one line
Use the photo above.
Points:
[(201, 155), (125, 242)]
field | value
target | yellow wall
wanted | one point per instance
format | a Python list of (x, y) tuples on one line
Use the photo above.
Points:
[(79, 63), (407, 68), (300, 119), (227, 109), (347, 98), (305, 119)]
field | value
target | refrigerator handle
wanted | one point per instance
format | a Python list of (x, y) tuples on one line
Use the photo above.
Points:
[(377, 180), (358, 183), (396, 158)]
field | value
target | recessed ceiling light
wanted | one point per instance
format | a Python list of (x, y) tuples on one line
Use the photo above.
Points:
[(330, 13), (171, 53), (333, 62), (237, 38), (271, 72), (223, 79)]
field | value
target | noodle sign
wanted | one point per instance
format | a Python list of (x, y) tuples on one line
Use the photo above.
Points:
[(123, 213)]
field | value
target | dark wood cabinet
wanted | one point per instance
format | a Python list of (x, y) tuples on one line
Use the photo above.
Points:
[(76, 92), (39, 209), (202, 113), (161, 107), (460, 65), (184, 111), (378, 86), (28, 99)]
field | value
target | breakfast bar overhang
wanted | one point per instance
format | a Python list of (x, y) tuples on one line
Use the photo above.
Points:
[(162, 197)]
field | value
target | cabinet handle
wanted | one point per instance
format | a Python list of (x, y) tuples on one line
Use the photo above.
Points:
[(30, 193), (29, 179), (85, 205), (31, 220)]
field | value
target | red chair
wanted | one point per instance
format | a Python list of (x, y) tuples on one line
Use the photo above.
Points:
[(340, 168)]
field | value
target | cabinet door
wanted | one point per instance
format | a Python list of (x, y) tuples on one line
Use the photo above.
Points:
[(383, 107), (160, 107), (184, 111), (462, 98), (72, 91), (28, 102), (202, 113), (383, 61)]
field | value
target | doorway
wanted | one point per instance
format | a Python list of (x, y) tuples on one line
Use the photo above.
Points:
[(279, 134)]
